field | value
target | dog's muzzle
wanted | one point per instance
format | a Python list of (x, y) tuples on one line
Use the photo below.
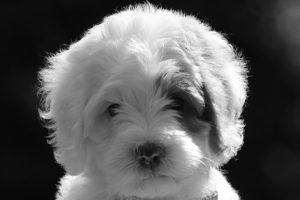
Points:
[(149, 155)]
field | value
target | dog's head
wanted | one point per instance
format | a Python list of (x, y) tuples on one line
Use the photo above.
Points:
[(148, 100)]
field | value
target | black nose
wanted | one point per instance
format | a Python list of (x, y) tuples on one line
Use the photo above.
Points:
[(149, 155)]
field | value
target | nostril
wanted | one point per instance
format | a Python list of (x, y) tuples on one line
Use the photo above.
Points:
[(149, 154), (149, 149)]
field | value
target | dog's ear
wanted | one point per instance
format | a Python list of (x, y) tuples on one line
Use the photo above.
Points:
[(70, 79), (63, 102), (225, 85), (226, 132), (223, 76)]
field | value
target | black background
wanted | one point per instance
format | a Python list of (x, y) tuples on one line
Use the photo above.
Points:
[(267, 32)]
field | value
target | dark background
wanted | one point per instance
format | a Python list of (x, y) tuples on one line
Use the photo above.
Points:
[(268, 34)]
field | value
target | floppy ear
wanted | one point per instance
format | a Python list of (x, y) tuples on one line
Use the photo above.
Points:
[(64, 99), (67, 84), (223, 75), (71, 77), (226, 133), (225, 86)]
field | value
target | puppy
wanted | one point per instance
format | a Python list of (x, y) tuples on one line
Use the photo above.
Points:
[(145, 106)]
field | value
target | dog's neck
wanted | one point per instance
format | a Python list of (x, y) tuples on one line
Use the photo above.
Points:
[(211, 196)]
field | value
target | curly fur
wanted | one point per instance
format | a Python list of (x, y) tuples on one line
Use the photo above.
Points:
[(139, 59)]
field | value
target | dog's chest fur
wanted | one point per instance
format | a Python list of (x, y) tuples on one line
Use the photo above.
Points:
[(212, 196)]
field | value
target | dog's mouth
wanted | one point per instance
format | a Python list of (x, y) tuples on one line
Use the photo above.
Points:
[(154, 187), (158, 178)]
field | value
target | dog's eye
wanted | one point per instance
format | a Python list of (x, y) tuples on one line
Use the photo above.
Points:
[(112, 110), (177, 103)]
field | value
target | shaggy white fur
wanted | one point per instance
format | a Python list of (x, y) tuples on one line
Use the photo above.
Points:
[(145, 106)]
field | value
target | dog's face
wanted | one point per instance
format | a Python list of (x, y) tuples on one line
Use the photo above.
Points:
[(147, 112), (149, 128)]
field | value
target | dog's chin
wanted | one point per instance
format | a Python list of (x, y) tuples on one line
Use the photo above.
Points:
[(156, 186)]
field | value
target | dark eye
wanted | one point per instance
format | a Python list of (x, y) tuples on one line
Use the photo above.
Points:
[(177, 103), (112, 110)]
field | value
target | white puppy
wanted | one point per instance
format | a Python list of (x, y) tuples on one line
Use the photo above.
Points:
[(145, 106)]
